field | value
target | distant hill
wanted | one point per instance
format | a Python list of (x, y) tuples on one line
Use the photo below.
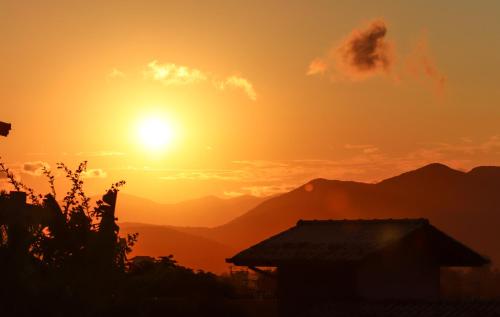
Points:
[(208, 211), (189, 250), (464, 204)]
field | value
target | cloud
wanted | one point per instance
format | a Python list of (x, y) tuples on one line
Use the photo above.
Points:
[(366, 148), (421, 64), (268, 190), (369, 163), (261, 163), (367, 52), (237, 82), (232, 194), (116, 74), (171, 74), (362, 162), (362, 54), (205, 174), (317, 66), (34, 168), (95, 173), (468, 147)]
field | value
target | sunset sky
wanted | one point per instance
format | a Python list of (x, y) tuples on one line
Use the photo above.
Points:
[(190, 98)]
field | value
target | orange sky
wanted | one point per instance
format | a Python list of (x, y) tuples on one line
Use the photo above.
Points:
[(261, 96)]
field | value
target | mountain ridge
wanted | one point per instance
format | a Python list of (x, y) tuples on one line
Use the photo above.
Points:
[(207, 211), (465, 204)]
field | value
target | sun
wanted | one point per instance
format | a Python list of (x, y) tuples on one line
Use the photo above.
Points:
[(155, 133)]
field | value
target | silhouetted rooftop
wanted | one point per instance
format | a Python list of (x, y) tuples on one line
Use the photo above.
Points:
[(320, 241)]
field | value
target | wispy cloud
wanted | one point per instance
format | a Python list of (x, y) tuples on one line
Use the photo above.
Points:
[(94, 173), (467, 147), (421, 64), (173, 74), (368, 163), (237, 82), (367, 52), (116, 74), (232, 194), (364, 162), (267, 190), (317, 66), (205, 174), (364, 53), (34, 168), (366, 148)]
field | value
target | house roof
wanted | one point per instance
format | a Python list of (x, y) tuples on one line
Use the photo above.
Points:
[(321, 241)]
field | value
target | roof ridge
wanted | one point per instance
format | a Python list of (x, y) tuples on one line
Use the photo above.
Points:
[(335, 241), (302, 222)]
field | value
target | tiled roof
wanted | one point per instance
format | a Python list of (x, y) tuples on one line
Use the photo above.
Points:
[(334, 240)]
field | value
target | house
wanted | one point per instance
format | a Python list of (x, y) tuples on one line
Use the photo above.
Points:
[(325, 261)]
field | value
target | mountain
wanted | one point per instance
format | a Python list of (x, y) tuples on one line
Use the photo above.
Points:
[(208, 211), (189, 250), (464, 204)]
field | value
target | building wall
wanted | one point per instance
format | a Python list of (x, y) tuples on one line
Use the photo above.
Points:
[(398, 280), (301, 287), (315, 281), (409, 274), (407, 270)]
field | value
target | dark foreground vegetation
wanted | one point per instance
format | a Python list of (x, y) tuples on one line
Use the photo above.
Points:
[(64, 256)]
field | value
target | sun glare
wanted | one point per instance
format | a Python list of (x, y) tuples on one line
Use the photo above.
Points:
[(155, 133)]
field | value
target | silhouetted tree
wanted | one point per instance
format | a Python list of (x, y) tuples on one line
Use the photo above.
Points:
[(64, 251), (65, 258)]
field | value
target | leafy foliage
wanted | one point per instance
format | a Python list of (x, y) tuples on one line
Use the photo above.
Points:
[(45, 245), (66, 258), (155, 286)]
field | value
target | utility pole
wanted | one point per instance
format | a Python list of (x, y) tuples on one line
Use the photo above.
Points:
[(5, 128)]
